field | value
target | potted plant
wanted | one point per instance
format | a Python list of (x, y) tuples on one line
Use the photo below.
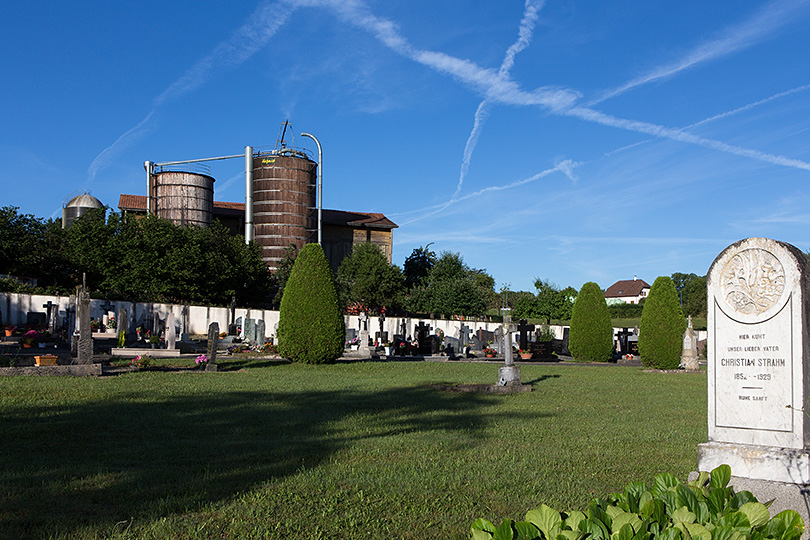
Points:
[(30, 338), (490, 352), (153, 341), (9, 330), (525, 354)]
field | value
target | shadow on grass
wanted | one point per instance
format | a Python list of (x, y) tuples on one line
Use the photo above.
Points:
[(144, 456), (541, 379)]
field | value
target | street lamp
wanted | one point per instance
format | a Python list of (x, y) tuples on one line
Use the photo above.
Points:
[(320, 181)]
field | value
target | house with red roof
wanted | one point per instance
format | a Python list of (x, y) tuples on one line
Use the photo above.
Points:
[(629, 291)]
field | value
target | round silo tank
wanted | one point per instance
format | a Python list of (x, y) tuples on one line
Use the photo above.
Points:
[(284, 199), (184, 197), (77, 207)]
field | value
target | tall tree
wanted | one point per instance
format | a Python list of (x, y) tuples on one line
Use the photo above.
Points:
[(311, 327), (365, 277), (417, 266), (450, 288), (660, 337), (591, 335)]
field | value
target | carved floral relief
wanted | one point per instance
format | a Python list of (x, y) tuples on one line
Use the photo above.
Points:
[(753, 281)]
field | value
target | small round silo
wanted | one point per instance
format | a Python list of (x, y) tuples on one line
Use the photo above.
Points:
[(184, 197), (284, 199), (77, 207)]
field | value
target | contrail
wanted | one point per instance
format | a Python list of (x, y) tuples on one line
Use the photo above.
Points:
[(249, 38), (482, 112), (749, 106), (597, 117), (756, 28)]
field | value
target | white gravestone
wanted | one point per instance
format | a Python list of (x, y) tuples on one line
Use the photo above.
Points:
[(757, 293)]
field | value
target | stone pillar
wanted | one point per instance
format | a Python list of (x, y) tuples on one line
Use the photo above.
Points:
[(171, 335), (213, 340), (261, 330), (509, 374), (85, 348), (122, 324), (689, 357)]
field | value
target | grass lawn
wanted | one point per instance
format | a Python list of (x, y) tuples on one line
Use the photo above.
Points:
[(362, 450)]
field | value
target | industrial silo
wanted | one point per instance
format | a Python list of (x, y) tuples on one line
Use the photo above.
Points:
[(284, 199), (184, 197), (77, 207)]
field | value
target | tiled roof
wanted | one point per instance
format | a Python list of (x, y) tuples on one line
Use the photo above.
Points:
[(627, 287), (358, 219), (334, 217)]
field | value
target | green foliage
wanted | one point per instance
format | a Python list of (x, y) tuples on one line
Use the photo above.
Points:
[(417, 266), (704, 508), (366, 278), (660, 340), (311, 327), (622, 310), (691, 289), (452, 288), (591, 335), (282, 274)]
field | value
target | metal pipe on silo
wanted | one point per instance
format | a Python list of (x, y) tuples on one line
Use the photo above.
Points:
[(149, 166), (320, 183), (248, 194)]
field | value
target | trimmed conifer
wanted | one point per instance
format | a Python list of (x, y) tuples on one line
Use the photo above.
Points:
[(310, 326), (660, 337), (591, 336)]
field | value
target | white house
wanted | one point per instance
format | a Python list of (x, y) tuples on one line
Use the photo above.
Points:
[(629, 291)]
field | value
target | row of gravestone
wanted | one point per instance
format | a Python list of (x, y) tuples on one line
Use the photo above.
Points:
[(428, 343)]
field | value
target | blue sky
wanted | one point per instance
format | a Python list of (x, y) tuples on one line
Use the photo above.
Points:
[(572, 141)]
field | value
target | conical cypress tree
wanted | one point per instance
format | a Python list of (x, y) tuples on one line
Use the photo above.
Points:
[(310, 326), (660, 334), (591, 336)]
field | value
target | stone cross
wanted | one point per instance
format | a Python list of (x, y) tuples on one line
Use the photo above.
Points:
[(524, 328), (171, 335), (383, 334), (85, 349), (213, 340), (50, 321), (363, 319)]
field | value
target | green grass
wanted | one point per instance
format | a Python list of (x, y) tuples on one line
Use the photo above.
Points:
[(363, 450)]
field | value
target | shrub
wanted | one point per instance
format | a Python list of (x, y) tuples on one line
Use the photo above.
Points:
[(310, 326), (591, 335), (660, 338), (704, 508)]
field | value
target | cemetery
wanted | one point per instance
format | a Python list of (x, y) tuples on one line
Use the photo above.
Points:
[(413, 430)]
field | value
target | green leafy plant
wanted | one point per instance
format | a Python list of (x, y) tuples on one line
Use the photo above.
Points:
[(7, 361), (122, 338), (660, 338), (142, 361), (705, 508), (591, 335), (311, 327)]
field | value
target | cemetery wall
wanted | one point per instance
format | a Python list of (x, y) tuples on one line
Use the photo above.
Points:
[(14, 309)]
